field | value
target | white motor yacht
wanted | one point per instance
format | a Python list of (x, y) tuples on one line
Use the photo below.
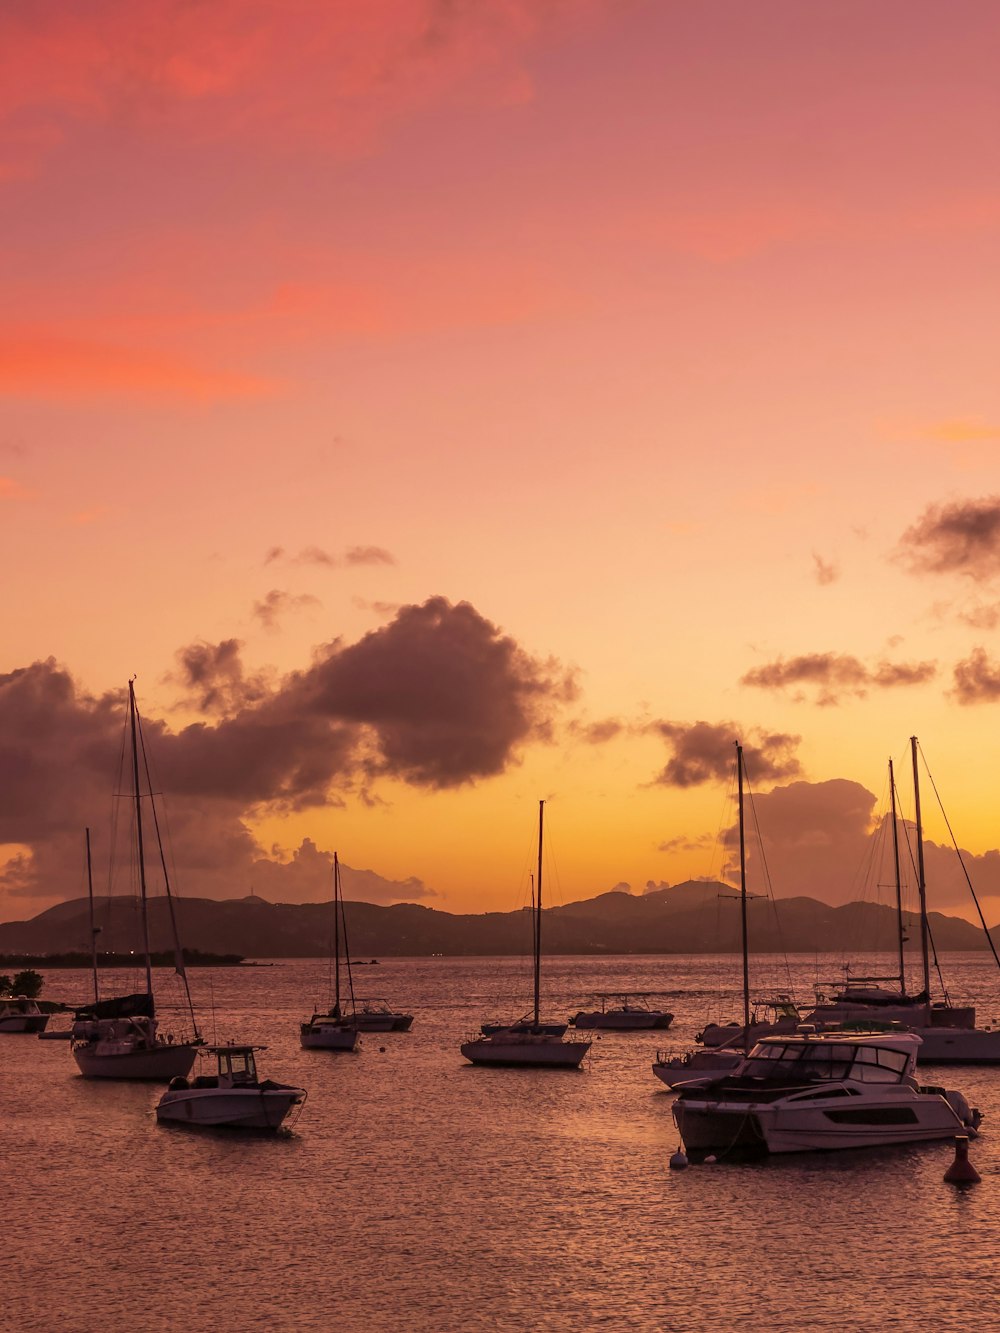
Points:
[(19, 1014), (814, 1091), (234, 1098)]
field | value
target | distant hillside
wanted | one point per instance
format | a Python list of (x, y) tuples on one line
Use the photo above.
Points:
[(694, 917)]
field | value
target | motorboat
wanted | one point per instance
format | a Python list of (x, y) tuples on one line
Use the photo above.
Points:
[(19, 1014), (233, 1098), (335, 1030), (631, 1013), (702, 1065), (376, 1015), (528, 1044), (119, 1037), (812, 1091)]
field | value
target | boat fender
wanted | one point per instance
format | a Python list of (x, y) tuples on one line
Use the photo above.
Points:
[(678, 1160)]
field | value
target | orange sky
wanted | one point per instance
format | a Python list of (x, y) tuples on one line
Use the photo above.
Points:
[(439, 406)]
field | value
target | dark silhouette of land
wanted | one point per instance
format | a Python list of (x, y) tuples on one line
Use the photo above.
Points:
[(694, 917)]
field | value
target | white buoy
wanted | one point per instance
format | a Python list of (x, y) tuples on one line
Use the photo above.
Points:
[(679, 1160), (711, 1159)]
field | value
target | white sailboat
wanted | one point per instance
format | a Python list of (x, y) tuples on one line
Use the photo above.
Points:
[(624, 1011), (948, 1032), (334, 1030), (119, 1038), (675, 1068), (528, 1044)]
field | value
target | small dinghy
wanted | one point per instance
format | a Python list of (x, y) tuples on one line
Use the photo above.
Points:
[(234, 1098)]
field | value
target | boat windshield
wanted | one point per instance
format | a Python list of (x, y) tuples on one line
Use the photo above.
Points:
[(238, 1066), (826, 1060)]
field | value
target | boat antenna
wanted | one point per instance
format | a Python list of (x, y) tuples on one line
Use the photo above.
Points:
[(743, 903), (93, 929), (899, 889), (538, 916), (138, 829), (921, 882)]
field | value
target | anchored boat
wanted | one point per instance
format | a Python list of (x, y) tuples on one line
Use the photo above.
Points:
[(234, 1098)]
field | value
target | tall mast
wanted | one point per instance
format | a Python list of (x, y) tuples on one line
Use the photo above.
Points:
[(899, 888), (138, 828), (336, 936), (538, 916), (921, 882), (93, 928), (743, 904)]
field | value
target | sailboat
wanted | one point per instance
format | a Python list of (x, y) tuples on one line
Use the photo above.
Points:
[(710, 1065), (334, 1031), (948, 1032), (119, 1037), (523, 1044)]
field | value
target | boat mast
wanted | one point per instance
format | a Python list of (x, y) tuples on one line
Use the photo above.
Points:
[(538, 916), (921, 882), (138, 828), (336, 936), (899, 889), (93, 928), (743, 904)]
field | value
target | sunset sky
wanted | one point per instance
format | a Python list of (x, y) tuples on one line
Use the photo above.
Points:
[(442, 404)]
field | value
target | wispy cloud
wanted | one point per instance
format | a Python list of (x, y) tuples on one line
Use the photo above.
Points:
[(832, 676), (825, 572), (270, 608)]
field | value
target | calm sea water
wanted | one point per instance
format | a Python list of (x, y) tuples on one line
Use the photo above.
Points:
[(416, 1192)]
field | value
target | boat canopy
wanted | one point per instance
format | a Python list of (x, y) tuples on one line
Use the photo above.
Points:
[(866, 1060), (119, 1006)]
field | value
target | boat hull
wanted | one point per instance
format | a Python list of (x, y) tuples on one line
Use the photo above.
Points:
[(383, 1022), (697, 1067), (327, 1037), (23, 1022), (261, 1109), (512, 1050), (153, 1064), (827, 1124), (624, 1020)]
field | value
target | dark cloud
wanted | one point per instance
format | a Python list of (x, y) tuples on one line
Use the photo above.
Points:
[(977, 679), (958, 538), (705, 752), (437, 698), (213, 679), (825, 572), (277, 603), (832, 676), (817, 842)]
